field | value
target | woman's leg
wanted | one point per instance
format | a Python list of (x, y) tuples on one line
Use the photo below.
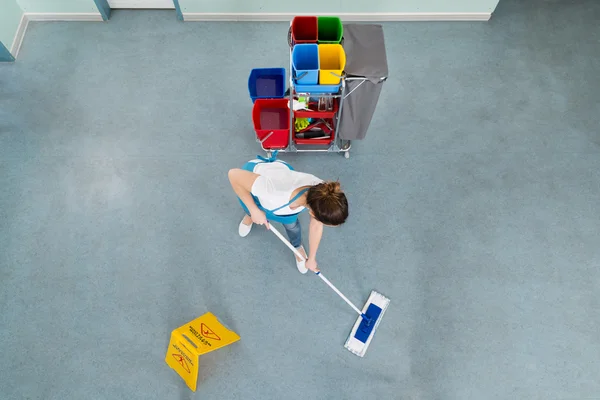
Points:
[(294, 232)]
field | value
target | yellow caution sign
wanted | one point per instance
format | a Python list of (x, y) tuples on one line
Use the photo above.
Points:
[(188, 342), (183, 359)]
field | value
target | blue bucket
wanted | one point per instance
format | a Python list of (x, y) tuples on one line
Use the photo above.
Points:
[(305, 63), (266, 83)]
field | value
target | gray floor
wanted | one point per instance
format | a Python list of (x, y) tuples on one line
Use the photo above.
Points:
[(474, 207)]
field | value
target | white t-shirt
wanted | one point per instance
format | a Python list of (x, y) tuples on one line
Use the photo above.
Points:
[(276, 183)]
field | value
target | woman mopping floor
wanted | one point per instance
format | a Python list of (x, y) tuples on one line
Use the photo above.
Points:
[(271, 190)]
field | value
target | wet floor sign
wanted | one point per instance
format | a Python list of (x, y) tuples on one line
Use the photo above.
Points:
[(190, 341)]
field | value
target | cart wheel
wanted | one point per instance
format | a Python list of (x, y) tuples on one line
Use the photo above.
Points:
[(347, 154)]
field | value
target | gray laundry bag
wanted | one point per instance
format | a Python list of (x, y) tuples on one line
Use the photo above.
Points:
[(366, 70)]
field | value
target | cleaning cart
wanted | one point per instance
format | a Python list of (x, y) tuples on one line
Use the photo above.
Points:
[(335, 78)]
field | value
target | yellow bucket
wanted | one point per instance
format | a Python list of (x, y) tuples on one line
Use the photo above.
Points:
[(332, 61)]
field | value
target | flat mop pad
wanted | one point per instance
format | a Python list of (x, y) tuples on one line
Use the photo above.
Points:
[(364, 328)]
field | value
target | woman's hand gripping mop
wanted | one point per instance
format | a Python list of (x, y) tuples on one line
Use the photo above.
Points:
[(364, 329)]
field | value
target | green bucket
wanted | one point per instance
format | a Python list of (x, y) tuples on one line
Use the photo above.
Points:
[(330, 30)]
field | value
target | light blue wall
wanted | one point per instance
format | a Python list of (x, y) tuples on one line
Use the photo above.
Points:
[(419, 6), (10, 16), (58, 6), (338, 6)]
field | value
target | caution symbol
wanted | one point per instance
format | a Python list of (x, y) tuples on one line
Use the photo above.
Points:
[(182, 361), (208, 333)]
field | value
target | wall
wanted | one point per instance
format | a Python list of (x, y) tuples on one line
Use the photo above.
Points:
[(419, 6), (11, 12), (338, 6), (58, 6), (10, 17)]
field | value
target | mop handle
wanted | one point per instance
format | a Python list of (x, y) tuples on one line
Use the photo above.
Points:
[(288, 244), (338, 292)]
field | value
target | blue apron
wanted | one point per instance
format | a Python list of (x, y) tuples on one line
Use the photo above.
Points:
[(271, 216)]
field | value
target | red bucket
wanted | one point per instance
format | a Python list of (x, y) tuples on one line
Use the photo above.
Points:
[(272, 116), (304, 30)]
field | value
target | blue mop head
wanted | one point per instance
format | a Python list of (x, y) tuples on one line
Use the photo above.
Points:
[(364, 329), (368, 323)]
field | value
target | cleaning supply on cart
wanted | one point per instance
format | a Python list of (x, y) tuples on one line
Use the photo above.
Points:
[(300, 104), (369, 318), (301, 123), (319, 134), (319, 125)]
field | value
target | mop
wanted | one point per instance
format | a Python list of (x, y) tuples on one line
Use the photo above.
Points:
[(369, 318)]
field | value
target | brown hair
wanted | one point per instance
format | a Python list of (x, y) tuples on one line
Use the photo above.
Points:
[(328, 203)]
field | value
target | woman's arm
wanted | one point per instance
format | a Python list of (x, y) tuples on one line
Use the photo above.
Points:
[(241, 182), (315, 232)]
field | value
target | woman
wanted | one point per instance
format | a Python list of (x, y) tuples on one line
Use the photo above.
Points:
[(270, 190)]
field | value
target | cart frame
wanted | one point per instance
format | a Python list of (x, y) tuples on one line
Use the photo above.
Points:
[(337, 145)]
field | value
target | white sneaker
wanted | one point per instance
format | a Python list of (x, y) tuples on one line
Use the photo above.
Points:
[(244, 229), (301, 265)]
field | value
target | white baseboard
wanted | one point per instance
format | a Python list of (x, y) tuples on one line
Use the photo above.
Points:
[(92, 17), (19, 36), (366, 17), (22, 29)]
